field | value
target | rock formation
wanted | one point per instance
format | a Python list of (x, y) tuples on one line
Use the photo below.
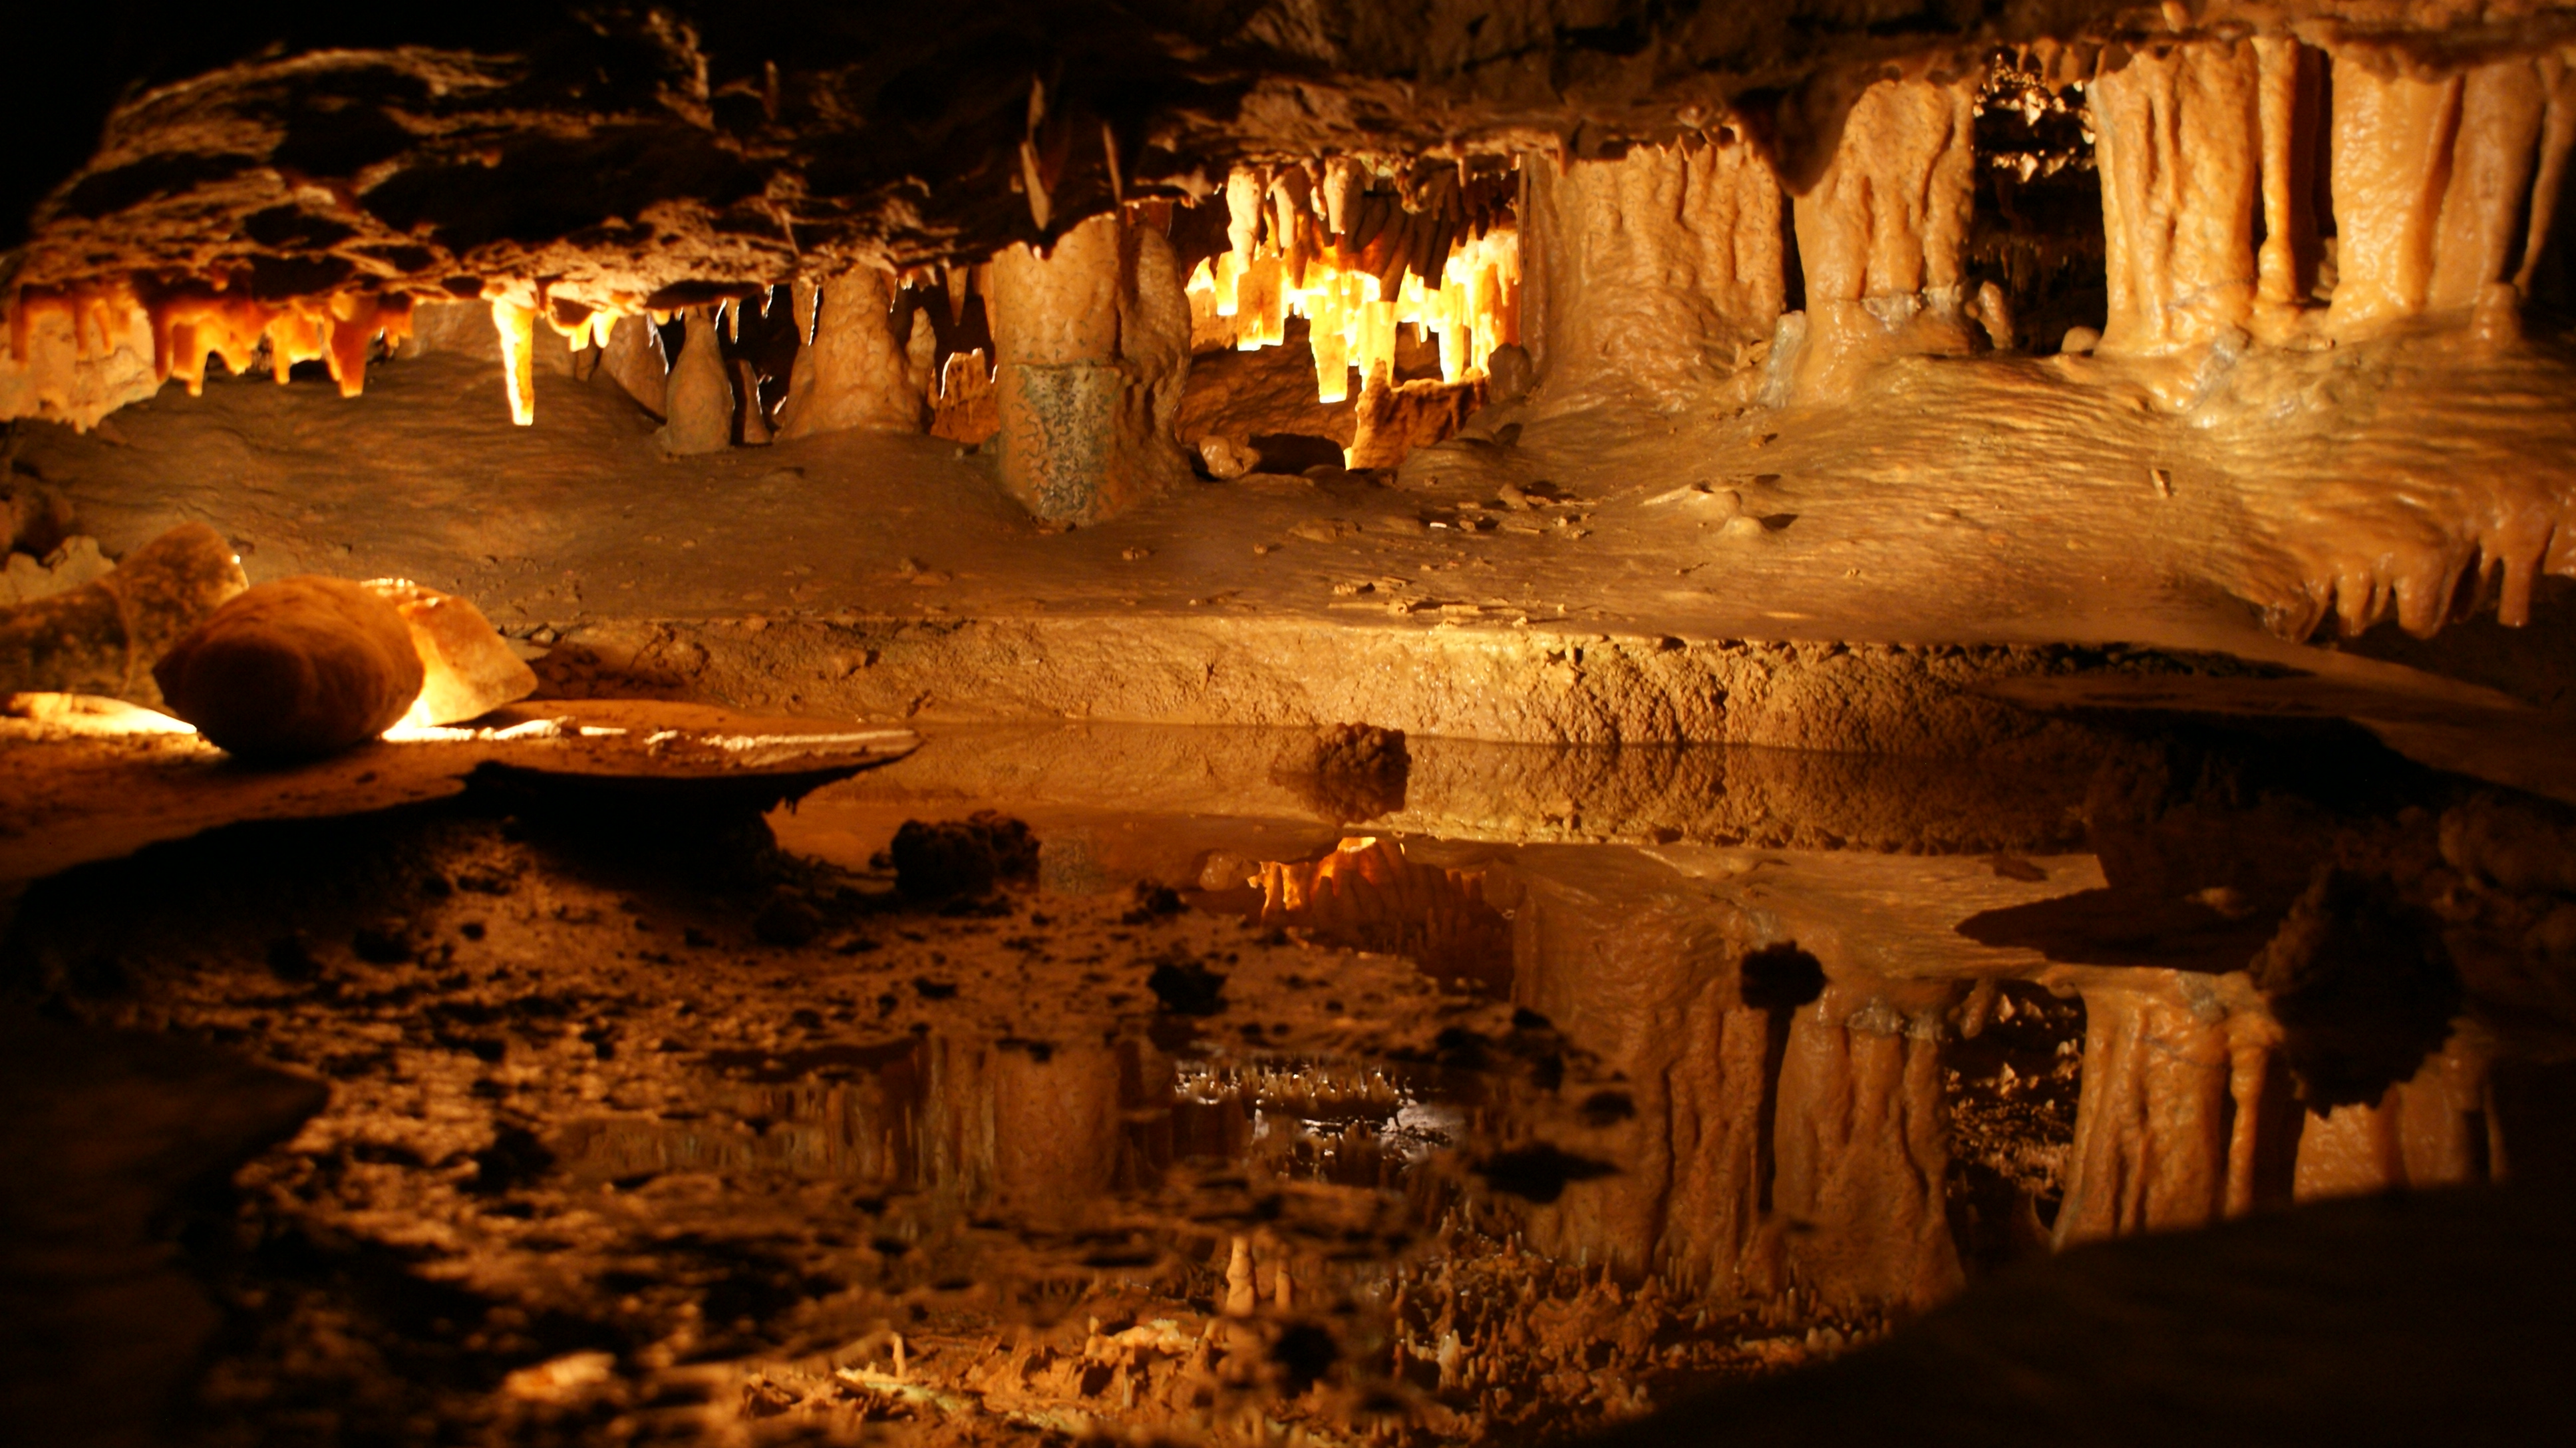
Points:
[(295, 668), (1093, 342)]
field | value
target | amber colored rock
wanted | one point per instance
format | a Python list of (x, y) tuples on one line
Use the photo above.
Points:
[(101, 638), (1093, 339), (466, 668), (700, 399), (855, 374), (633, 360), (300, 667)]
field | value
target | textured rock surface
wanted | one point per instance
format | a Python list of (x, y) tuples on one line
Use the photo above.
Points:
[(104, 637), (467, 670), (298, 667)]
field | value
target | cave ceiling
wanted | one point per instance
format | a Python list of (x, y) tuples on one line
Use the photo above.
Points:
[(666, 155)]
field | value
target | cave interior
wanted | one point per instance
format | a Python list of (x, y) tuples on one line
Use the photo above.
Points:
[(1290, 721)]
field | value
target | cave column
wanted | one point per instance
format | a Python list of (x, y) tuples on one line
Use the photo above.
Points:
[(853, 371), (1659, 272), (2178, 137), (2185, 1115), (1883, 233), (1093, 344), (2443, 185), (1862, 1151)]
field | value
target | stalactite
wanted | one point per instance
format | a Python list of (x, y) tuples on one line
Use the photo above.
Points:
[(517, 326), (2434, 1130), (854, 373)]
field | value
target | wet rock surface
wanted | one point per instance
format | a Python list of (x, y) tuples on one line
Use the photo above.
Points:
[(640, 1127)]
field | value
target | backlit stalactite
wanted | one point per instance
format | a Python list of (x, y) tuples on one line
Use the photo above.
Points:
[(1659, 272), (1882, 235), (1357, 265)]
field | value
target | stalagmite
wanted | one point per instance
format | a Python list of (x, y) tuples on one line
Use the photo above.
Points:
[(102, 638), (1882, 235), (701, 400), (1093, 342), (633, 360), (467, 670), (295, 668), (1661, 272), (2178, 138), (855, 373)]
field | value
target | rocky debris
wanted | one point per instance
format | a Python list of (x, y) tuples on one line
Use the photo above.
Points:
[(467, 668), (1347, 772), (104, 637), (962, 858), (296, 668)]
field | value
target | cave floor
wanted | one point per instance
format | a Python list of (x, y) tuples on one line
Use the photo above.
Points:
[(2006, 506), (1557, 1084)]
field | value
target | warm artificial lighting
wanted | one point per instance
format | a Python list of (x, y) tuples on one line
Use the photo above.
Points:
[(1351, 321)]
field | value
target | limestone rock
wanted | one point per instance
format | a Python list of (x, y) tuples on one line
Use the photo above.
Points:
[(300, 667), (634, 361), (467, 670), (101, 638), (856, 372), (700, 399)]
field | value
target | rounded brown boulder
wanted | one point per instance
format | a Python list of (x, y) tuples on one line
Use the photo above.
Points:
[(299, 667)]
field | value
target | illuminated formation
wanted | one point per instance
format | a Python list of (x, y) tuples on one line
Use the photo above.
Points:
[(1356, 267)]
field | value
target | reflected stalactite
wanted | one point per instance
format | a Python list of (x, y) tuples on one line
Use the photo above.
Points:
[(2184, 1116), (1862, 1148), (1367, 895)]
